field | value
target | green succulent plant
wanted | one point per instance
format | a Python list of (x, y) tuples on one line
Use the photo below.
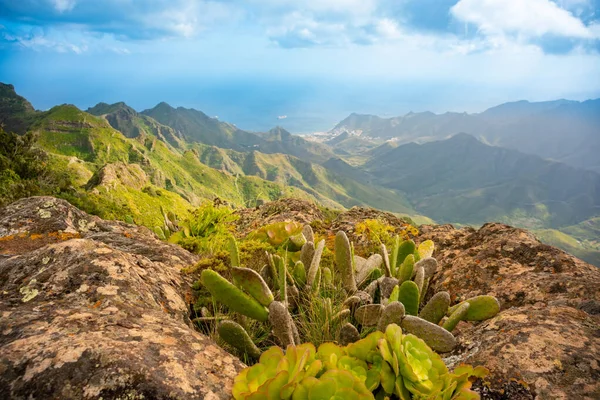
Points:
[(277, 375), (333, 385), (420, 372), (286, 234)]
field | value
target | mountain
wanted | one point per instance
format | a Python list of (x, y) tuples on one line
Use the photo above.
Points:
[(562, 130), (133, 124), (16, 113), (126, 165), (278, 140), (195, 126), (464, 180)]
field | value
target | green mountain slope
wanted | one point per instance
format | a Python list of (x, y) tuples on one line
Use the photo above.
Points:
[(320, 181), (132, 124), (464, 180), (196, 127), (16, 113), (126, 165), (571, 245)]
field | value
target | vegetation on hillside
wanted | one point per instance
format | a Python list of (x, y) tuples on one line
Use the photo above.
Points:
[(295, 296)]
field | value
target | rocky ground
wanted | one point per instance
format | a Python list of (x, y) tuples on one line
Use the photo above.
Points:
[(98, 309)]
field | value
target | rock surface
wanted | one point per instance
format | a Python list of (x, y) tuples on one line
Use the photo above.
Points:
[(96, 309), (547, 334)]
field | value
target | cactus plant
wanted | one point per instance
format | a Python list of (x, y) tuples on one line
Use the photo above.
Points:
[(250, 281), (393, 313), (425, 249), (419, 279), (405, 248), (299, 273), (234, 253), (481, 308), (386, 260), (409, 296), (405, 271), (368, 315), (457, 315), (282, 323), (436, 337), (343, 258), (366, 269), (308, 233), (236, 336), (232, 297), (314, 264), (348, 334), (436, 307)]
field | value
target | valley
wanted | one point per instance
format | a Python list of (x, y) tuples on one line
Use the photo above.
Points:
[(532, 165)]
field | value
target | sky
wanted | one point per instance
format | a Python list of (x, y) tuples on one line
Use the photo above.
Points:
[(314, 61)]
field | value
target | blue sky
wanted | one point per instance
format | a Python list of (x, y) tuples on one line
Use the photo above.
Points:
[(314, 60)]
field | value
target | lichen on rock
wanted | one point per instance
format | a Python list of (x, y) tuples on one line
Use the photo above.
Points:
[(95, 309)]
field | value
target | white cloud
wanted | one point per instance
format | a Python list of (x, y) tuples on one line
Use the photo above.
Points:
[(530, 18), (64, 5)]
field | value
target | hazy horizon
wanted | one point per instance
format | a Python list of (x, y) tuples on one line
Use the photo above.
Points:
[(249, 62)]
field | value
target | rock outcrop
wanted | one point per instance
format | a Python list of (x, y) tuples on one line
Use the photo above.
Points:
[(547, 334), (95, 309)]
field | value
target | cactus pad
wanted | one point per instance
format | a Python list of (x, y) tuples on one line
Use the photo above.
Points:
[(393, 313), (425, 249), (436, 337), (237, 337), (482, 308), (409, 296), (281, 321), (457, 316), (436, 307), (369, 314), (251, 281), (232, 297), (343, 259), (349, 334)]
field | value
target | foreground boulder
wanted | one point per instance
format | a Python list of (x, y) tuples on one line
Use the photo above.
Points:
[(545, 342), (95, 309)]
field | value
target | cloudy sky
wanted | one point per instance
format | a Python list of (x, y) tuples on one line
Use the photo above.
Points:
[(313, 60)]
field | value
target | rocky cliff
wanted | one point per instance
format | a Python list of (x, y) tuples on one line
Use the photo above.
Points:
[(98, 309)]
